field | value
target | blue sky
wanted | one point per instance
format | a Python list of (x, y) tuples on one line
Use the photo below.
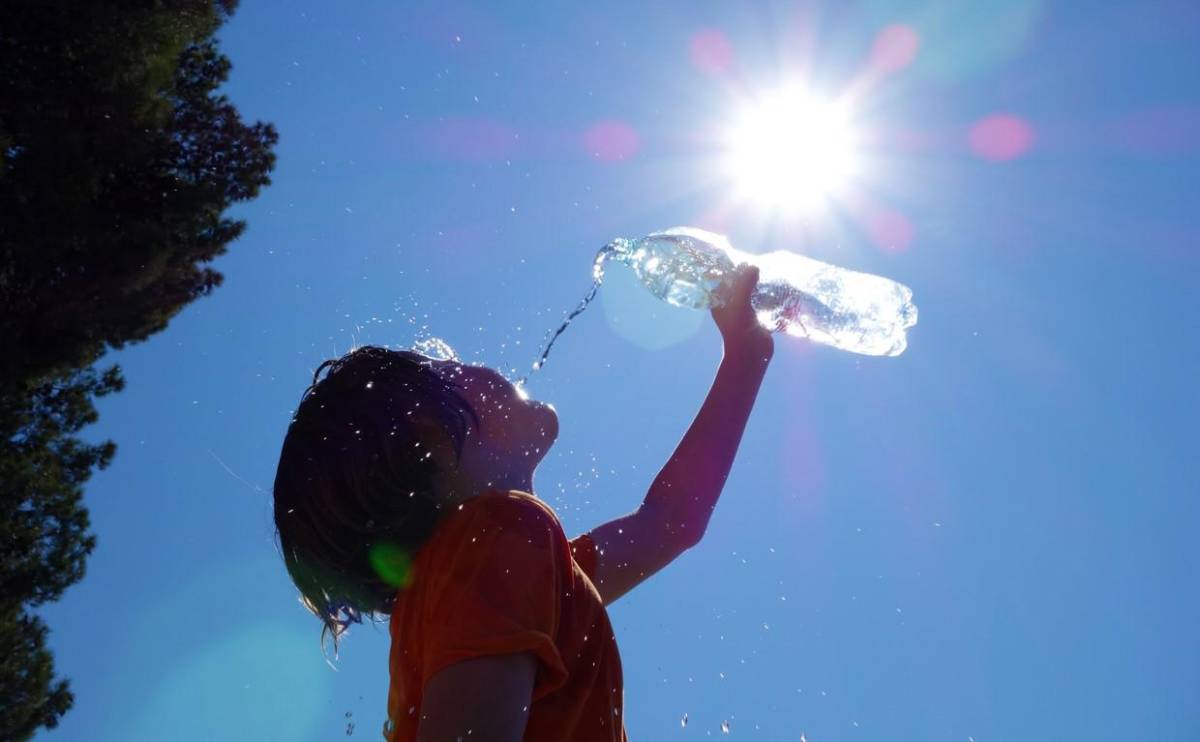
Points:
[(990, 537)]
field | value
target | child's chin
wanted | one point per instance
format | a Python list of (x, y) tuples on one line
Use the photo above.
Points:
[(545, 425)]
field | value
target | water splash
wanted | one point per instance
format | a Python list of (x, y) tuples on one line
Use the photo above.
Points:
[(436, 348), (597, 278)]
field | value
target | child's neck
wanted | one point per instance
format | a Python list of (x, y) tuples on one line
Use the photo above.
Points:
[(464, 486)]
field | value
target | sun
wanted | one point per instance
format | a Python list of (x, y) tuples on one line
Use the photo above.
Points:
[(790, 152)]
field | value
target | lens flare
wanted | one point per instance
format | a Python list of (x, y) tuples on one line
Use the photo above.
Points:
[(711, 51), (1001, 137), (392, 564), (611, 141), (895, 48)]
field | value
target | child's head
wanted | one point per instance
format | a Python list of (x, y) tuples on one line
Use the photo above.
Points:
[(382, 444)]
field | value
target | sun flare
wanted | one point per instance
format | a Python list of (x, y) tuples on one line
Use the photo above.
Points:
[(790, 152)]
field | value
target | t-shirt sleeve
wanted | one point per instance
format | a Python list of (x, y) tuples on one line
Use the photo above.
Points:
[(501, 593), (583, 550)]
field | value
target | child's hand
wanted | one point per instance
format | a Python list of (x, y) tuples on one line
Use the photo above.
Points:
[(740, 328)]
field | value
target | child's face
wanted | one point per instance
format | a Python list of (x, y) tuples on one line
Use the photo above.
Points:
[(514, 431)]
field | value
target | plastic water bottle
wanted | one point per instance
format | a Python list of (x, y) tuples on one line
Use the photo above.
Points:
[(690, 267), (797, 295)]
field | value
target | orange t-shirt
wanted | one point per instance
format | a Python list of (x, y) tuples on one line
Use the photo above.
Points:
[(498, 576)]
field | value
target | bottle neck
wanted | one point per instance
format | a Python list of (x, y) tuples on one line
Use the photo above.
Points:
[(619, 250)]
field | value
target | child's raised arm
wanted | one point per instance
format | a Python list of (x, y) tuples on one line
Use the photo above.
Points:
[(677, 507)]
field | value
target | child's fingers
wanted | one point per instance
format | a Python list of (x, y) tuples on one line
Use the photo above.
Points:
[(750, 275), (746, 281), (736, 306)]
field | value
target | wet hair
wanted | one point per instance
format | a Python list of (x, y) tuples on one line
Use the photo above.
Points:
[(354, 491)]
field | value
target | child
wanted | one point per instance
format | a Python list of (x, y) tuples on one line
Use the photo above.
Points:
[(404, 489)]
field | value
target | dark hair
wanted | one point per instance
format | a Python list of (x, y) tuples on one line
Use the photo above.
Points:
[(354, 491)]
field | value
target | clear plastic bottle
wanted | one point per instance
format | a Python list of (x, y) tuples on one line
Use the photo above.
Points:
[(797, 295)]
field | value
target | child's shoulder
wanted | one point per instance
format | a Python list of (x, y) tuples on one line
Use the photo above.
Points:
[(496, 532)]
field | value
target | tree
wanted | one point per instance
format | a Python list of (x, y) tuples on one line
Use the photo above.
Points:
[(118, 159)]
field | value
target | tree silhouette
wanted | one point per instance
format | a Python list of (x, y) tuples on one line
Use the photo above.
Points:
[(118, 159)]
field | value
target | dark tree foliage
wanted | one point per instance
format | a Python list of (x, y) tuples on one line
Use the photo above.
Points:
[(118, 159)]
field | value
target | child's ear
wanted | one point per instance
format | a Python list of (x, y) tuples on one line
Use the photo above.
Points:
[(432, 439)]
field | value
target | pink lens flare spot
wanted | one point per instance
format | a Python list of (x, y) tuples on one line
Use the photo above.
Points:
[(710, 51), (890, 230), (716, 219), (895, 48), (1001, 137), (474, 139), (611, 140)]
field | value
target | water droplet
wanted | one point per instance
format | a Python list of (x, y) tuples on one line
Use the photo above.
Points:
[(435, 348)]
